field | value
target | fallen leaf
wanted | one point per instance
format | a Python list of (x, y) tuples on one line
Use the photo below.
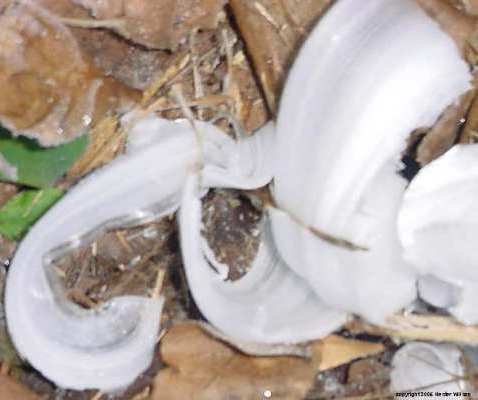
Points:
[(282, 26), (22, 210), (336, 350), (415, 327), (200, 367), (160, 24), (443, 134), (23, 161), (469, 6), (459, 26), (115, 57), (135, 66), (11, 389), (44, 74), (470, 130), (249, 106), (54, 93)]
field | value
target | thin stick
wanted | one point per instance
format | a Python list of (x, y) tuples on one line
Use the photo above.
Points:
[(270, 19), (89, 23), (197, 80), (334, 240), (97, 396), (420, 327), (178, 94), (158, 286)]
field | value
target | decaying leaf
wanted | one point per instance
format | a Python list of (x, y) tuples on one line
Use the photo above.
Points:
[(23, 161), (249, 107), (443, 134), (470, 131), (10, 389), (44, 75), (336, 350), (433, 328), (203, 368), (469, 6), (115, 57), (459, 26), (106, 141), (132, 65), (22, 210), (51, 91), (281, 25), (160, 24)]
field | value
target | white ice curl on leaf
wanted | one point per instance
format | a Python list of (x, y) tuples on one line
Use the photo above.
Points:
[(333, 158), (437, 224), (346, 114)]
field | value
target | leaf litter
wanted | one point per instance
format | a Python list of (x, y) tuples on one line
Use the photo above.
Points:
[(212, 65), (54, 92)]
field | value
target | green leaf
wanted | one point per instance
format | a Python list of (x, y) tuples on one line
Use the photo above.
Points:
[(23, 161), (22, 210)]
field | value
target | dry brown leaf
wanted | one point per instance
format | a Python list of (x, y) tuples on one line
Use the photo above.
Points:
[(160, 24), (470, 130), (336, 350), (12, 390), (420, 327), (249, 106), (459, 26), (201, 367), (54, 94), (469, 6), (281, 25), (43, 72), (443, 135), (106, 141), (132, 65)]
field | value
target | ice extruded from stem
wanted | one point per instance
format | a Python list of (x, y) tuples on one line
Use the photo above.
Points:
[(270, 304), (427, 367), (108, 347), (438, 223), (366, 77)]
